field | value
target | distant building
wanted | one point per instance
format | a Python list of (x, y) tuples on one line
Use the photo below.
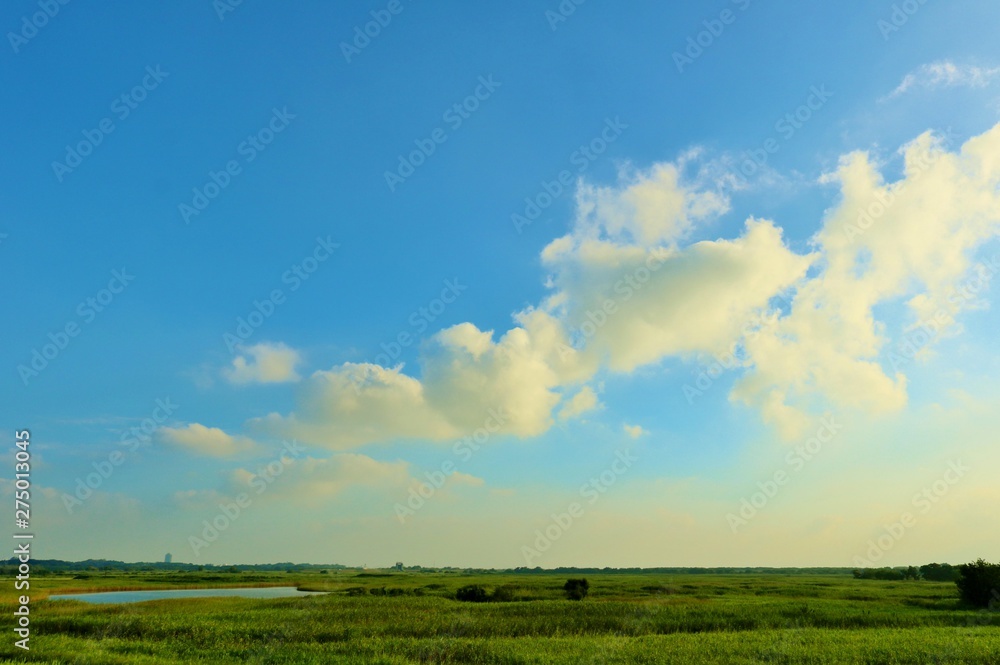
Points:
[(398, 566), (168, 558)]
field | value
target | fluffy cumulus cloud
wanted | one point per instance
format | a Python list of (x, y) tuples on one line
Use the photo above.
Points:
[(630, 305), (647, 208), (264, 363), (211, 441), (354, 404), (623, 294), (470, 381), (944, 74), (634, 431), (583, 401), (627, 289), (830, 344)]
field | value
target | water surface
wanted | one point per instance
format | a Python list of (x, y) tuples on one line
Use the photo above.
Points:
[(167, 594)]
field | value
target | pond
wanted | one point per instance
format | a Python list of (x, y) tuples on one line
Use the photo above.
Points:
[(168, 594)]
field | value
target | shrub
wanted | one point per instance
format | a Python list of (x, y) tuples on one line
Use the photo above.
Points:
[(472, 594), (979, 583), (503, 594), (576, 589)]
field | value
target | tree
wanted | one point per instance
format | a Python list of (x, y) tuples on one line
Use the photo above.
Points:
[(979, 583), (939, 572), (576, 589)]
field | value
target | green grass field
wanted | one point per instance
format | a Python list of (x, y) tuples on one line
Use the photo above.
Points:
[(625, 619)]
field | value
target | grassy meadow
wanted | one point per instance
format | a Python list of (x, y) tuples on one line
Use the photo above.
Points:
[(404, 617)]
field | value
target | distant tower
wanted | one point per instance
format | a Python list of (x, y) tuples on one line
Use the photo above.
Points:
[(168, 558), (398, 566)]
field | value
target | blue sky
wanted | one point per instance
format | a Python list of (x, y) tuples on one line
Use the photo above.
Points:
[(308, 134)]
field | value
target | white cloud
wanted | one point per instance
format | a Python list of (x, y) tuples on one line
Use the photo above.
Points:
[(945, 74), (634, 306), (264, 363), (354, 404), (646, 208), (583, 401), (203, 440), (913, 241), (469, 381), (467, 374), (460, 478), (524, 374), (634, 431), (625, 292)]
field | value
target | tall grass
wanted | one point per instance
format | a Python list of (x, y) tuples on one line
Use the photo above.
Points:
[(625, 619)]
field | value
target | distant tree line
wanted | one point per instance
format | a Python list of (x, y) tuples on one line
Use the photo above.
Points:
[(43, 566), (978, 582), (932, 572), (523, 570)]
